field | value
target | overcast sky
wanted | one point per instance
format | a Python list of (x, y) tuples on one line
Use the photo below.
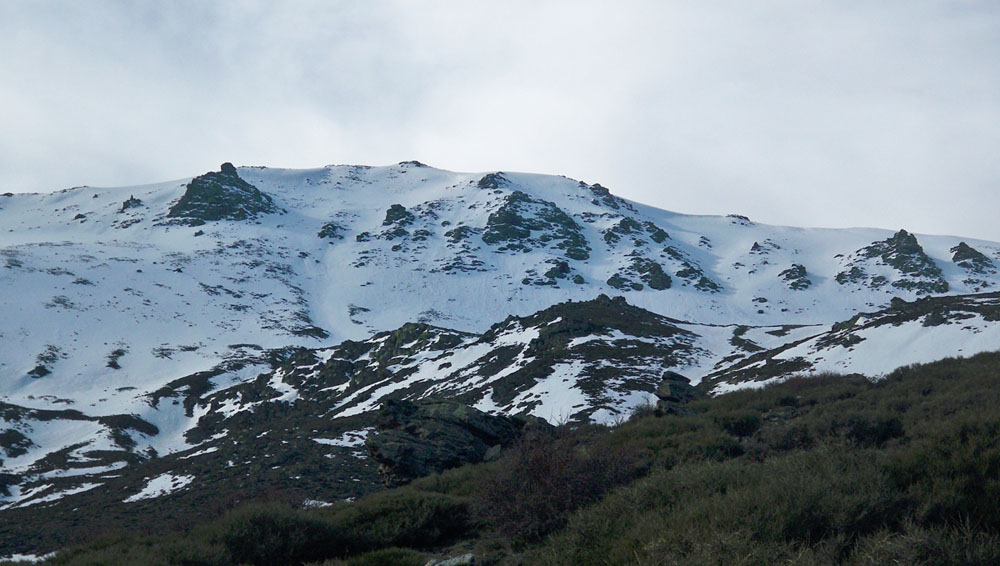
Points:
[(802, 113)]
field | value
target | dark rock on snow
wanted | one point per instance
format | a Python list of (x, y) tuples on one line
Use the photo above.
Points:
[(221, 196), (414, 439)]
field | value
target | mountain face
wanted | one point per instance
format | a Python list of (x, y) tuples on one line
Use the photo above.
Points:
[(158, 340)]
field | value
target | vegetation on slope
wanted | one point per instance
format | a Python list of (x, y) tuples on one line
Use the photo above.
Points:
[(827, 470)]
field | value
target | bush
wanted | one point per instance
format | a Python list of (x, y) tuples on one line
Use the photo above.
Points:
[(402, 518), (741, 425), (874, 432), (543, 479), (641, 411), (276, 535)]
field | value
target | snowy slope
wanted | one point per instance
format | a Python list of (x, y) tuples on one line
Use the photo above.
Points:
[(135, 320), (875, 343), (85, 279)]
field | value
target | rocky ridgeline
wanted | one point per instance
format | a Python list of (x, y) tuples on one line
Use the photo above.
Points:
[(221, 341), (602, 353), (935, 321)]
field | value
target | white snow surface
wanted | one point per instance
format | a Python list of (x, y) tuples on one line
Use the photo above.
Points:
[(349, 439), (159, 486), (26, 557)]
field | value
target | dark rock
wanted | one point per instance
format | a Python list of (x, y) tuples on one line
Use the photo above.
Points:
[(652, 273), (603, 195), (523, 223), (493, 181), (622, 283), (918, 271), (646, 270), (795, 277), (221, 196), (397, 214), (39, 371), (414, 439), (14, 443), (972, 259), (132, 202), (624, 227), (674, 392), (332, 231), (676, 388)]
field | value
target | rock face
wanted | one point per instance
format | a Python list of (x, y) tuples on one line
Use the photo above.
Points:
[(132, 202), (674, 392), (972, 259), (795, 277), (523, 223), (414, 439), (221, 196), (913, 269)]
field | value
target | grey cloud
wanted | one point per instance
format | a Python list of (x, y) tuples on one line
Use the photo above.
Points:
[(827, 113)]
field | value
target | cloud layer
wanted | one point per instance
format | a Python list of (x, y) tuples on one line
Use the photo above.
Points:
[(803, 113)]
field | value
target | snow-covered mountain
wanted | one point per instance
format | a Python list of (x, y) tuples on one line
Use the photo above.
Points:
[(140, 324)]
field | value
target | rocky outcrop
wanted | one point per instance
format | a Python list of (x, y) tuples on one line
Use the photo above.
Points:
[(132, 202), (971, 259), (795, 277), (220, 196), (415, 439), (674, 393), (523, 223), (916, 270)]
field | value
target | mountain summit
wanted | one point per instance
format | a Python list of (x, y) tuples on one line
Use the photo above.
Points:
[(159, 322)]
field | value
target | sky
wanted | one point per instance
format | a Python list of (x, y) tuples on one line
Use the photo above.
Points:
[(805, 113)]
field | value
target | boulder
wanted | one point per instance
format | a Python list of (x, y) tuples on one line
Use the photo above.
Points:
[(414, 439), (674, 392)]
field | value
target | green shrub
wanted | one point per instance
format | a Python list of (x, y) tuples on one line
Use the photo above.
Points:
[(831, 470), (404, 518), (542, 480), (741, 424), (276, 535), (914, 544), (874, 432)]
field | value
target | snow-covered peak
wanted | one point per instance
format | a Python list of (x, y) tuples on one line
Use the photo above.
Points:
[(131, 314)]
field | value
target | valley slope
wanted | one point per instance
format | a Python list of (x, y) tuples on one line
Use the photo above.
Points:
[(149, 327)]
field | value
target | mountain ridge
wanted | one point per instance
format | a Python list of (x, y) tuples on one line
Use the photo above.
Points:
[(145, 323)]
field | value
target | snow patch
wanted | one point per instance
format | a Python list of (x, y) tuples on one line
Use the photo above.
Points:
[(161, 485)]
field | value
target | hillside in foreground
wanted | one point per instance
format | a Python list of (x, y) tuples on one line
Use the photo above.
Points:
[(829, 470)]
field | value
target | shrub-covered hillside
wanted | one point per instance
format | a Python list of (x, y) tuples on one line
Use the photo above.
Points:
[(828, 470)]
